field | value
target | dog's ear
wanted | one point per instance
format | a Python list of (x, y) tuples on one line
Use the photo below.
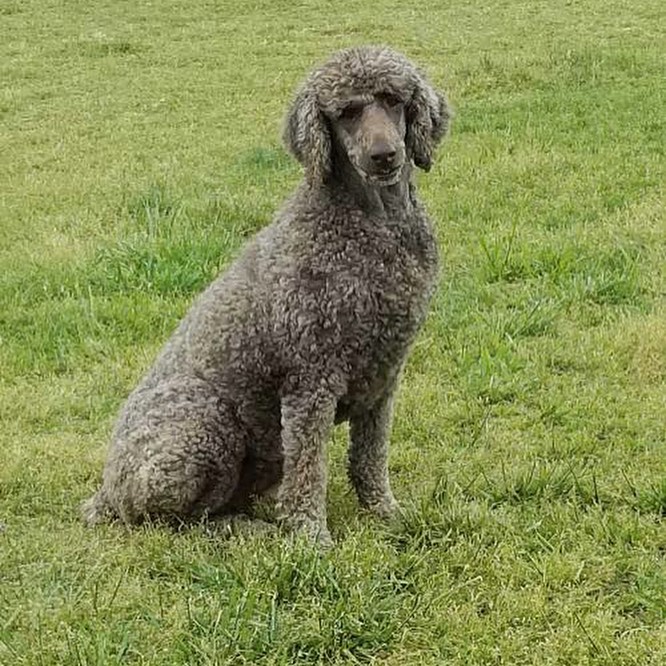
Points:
[(428, 116), (307, 136)]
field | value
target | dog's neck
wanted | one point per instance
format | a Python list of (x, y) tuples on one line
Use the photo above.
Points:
[(386, 200)]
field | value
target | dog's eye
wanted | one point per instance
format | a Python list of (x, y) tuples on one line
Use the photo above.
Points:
[(390, 100), (351, 111)]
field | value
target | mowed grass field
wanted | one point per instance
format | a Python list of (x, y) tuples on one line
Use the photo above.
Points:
[(139, 149)]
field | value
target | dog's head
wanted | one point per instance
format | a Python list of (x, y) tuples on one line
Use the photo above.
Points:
[(372, 103)]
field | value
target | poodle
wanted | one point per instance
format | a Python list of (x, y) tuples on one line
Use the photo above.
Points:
[(308, 327)]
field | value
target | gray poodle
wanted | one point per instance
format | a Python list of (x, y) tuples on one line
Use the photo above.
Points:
[(310, 326)]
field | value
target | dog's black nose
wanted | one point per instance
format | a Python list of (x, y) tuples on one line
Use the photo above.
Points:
[(382, 154)]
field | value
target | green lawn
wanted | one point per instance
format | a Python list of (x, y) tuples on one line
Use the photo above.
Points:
[(139, 148)]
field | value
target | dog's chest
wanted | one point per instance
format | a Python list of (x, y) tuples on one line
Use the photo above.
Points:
[(385, 278), (397, 277)]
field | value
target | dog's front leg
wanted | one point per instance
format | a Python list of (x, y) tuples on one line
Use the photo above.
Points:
[(368, 457), (307, 419)]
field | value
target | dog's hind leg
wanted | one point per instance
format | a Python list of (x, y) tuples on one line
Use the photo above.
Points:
[(177, 455)]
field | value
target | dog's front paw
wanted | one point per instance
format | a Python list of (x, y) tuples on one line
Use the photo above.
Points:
[(323, 539), (385, 508), (317, 534), (313, 531)]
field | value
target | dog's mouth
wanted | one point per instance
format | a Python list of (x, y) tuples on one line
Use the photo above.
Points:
[(385, 177)]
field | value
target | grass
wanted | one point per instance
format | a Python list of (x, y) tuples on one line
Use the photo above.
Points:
[(140, 148)]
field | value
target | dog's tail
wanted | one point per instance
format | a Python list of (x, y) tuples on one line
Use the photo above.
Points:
[(96, 509)]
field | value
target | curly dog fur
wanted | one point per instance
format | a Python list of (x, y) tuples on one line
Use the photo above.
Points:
[(310, 326)]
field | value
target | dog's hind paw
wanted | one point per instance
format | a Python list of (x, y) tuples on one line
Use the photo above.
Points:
[(94, 511)]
